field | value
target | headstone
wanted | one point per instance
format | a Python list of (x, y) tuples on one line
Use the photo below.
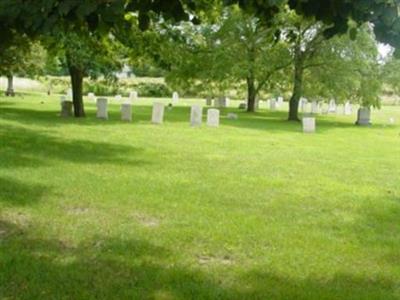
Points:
[(243, 105), (392, 121), (232, 116), (303, 104), (102, 111), (280, 101), (133, 96), (196, 115), (348, 110), (272, 104), (227, 102), (69, 94), (221, 102), (175, 97), (213, 117), (332, 106), (314, 107), (66, 109), (118, 98), (364, 117), (308, 124), (63, 98), (91, 96), (158, 113), (126, 112), (209, 101)]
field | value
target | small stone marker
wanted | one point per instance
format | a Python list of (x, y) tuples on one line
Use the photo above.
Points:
[(158, 113), (364, 117), (303, 104), (66, 109), (280, 101), (232, 116), (213, 117), (102, 111), (308, 124), (175, 97), (126, 112), (272, 104), (196, 115), (91, 96)]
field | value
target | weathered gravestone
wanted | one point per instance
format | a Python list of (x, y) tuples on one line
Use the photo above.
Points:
[(332, 106), (196, 115), (272, 104), (243, 105), (133, 96), (126, 112), (314, 107), (66, 109), (364, 117), (209, 101), (213, 117), (348, 110), (91, 96), (308, 124), (175, 97), (158, 113), (232, 116), (102, 109)]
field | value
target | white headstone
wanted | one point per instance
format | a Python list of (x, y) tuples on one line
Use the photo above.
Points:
[(69, 94), (314, 107), (308, 125), (303, 104), (332, 106), (196, 115), (213, 117), (102, 111), (175, 97), (158, 113), (91, 96), (133, 96), (227, 102), (272, 104), (126, 112), (348, 110)]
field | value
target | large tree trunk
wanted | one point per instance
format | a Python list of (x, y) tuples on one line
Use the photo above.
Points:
[(10, 86), (77, 87), (251, 95), (297, 88)]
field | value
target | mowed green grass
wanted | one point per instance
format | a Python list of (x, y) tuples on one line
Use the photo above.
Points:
[(255, 209)]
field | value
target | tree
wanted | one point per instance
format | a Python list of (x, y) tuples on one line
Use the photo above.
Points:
[(21, 57), (238, 49), (84, 54)]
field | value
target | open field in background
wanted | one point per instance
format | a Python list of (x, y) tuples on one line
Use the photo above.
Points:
[(255, 209)]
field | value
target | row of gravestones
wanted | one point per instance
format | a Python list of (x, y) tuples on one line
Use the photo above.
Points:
[(157, 117)]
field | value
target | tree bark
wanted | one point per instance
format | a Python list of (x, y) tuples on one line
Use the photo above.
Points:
[(297, 87), (10, 86), (251, 95), (77, 90)]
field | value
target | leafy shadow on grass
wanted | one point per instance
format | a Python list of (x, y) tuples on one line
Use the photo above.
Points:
[(15, 192), (22, 147), (112, 268)]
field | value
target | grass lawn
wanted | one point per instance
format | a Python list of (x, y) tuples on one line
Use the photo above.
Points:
[(255, 209)]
